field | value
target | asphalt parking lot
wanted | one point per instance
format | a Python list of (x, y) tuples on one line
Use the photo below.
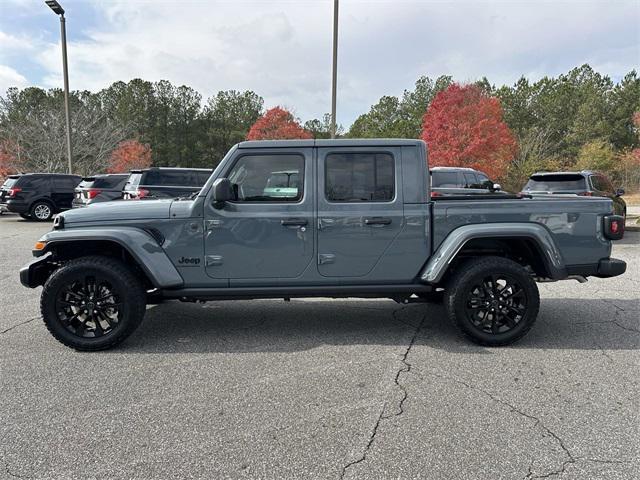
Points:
[(324, 389)]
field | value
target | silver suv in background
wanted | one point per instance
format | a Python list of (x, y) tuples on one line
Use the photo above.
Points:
[(586, 183), (99, 188), (165, 182)]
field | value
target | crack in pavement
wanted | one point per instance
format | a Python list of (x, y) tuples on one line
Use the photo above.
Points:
[(618, 310), (7, 468), (570, 458), (405, 368), (19, 324)]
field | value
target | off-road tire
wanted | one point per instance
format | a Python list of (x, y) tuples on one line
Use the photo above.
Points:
[(129, 288), (37, 208), (459, 290)]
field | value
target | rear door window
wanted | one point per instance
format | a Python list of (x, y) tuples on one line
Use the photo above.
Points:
[(34, 183), (167, 178), (444, 179), (470, 180), (109, 183), (359, 177), (65, 183), (556, 183)]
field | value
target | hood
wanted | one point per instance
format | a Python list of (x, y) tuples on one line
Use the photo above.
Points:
[(121, 210)]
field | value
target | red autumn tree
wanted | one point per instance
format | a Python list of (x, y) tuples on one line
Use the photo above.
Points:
[(8, 162), (129, 155), (277, 124), (463, 127)]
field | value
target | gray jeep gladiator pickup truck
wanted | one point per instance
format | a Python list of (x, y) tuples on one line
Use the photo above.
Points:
[(351, 218)]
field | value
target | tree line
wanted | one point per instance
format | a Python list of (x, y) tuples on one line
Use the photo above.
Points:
[(581, 119)]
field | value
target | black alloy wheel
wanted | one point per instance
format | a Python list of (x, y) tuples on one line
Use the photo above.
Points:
[(493, 301), (93, 303), (496, 303)]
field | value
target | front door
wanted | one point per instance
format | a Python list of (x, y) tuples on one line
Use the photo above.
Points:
[(268, 230), (360, 209)]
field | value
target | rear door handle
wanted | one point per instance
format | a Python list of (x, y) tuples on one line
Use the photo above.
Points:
[(294, 222), (377, 221)]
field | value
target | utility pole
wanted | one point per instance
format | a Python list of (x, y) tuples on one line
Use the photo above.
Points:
[(58, 10), (334, 73)]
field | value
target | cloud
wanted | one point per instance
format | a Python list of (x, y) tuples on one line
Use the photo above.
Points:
[(10, 78), (282, 49)]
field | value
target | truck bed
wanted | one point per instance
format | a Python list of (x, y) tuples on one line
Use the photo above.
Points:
[(571, 220)]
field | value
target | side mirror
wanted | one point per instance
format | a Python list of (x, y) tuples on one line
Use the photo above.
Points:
[(222, 192), (619, 192), (497, 187)]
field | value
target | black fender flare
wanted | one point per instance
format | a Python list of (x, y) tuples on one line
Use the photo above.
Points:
[(143, 247), (439, 262)]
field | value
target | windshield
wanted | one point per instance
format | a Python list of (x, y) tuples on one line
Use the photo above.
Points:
[(444, 179), (556, 183)]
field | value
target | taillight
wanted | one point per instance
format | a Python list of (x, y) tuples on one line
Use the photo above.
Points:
[(613, 227), (13, 191), (586, 194), (141, 193), (435, 194), (93, 193)]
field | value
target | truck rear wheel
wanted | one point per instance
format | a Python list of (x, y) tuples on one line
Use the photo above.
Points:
[(493, 301), (92, 303)]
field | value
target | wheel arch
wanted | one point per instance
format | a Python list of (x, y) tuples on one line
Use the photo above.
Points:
[(529, 244), (133, 246)]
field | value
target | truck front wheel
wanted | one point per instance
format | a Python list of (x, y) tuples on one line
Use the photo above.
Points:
[(92, 303), (493, 301)]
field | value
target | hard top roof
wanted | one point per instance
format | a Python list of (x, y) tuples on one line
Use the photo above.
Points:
[(453, 169), (341, 142), (150, 169), (582, 172), (41, 174)]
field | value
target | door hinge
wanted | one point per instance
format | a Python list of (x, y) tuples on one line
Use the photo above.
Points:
[(325, 258), (211, 224)]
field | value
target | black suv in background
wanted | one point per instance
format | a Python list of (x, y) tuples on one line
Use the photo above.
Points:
[(39, 196), (5, 191), (100, 188), (586, 183), (165, 182), (460, 181)]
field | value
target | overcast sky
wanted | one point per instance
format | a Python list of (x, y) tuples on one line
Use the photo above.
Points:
[(282, 49)]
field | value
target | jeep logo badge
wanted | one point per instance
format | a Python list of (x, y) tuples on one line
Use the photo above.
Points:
[(189, 261)]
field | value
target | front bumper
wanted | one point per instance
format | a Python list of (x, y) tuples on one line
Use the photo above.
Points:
[(36, 272)]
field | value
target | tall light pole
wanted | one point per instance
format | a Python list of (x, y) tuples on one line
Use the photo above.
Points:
[(334, 73), (58, 10)]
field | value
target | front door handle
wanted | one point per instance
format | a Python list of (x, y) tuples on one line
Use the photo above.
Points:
[(294, 222), (377, 221)]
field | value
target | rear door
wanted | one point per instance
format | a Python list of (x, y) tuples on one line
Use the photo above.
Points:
[(360, 208), (63, 190)]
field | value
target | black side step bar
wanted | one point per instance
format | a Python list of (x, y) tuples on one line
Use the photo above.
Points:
[(236, 293)]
